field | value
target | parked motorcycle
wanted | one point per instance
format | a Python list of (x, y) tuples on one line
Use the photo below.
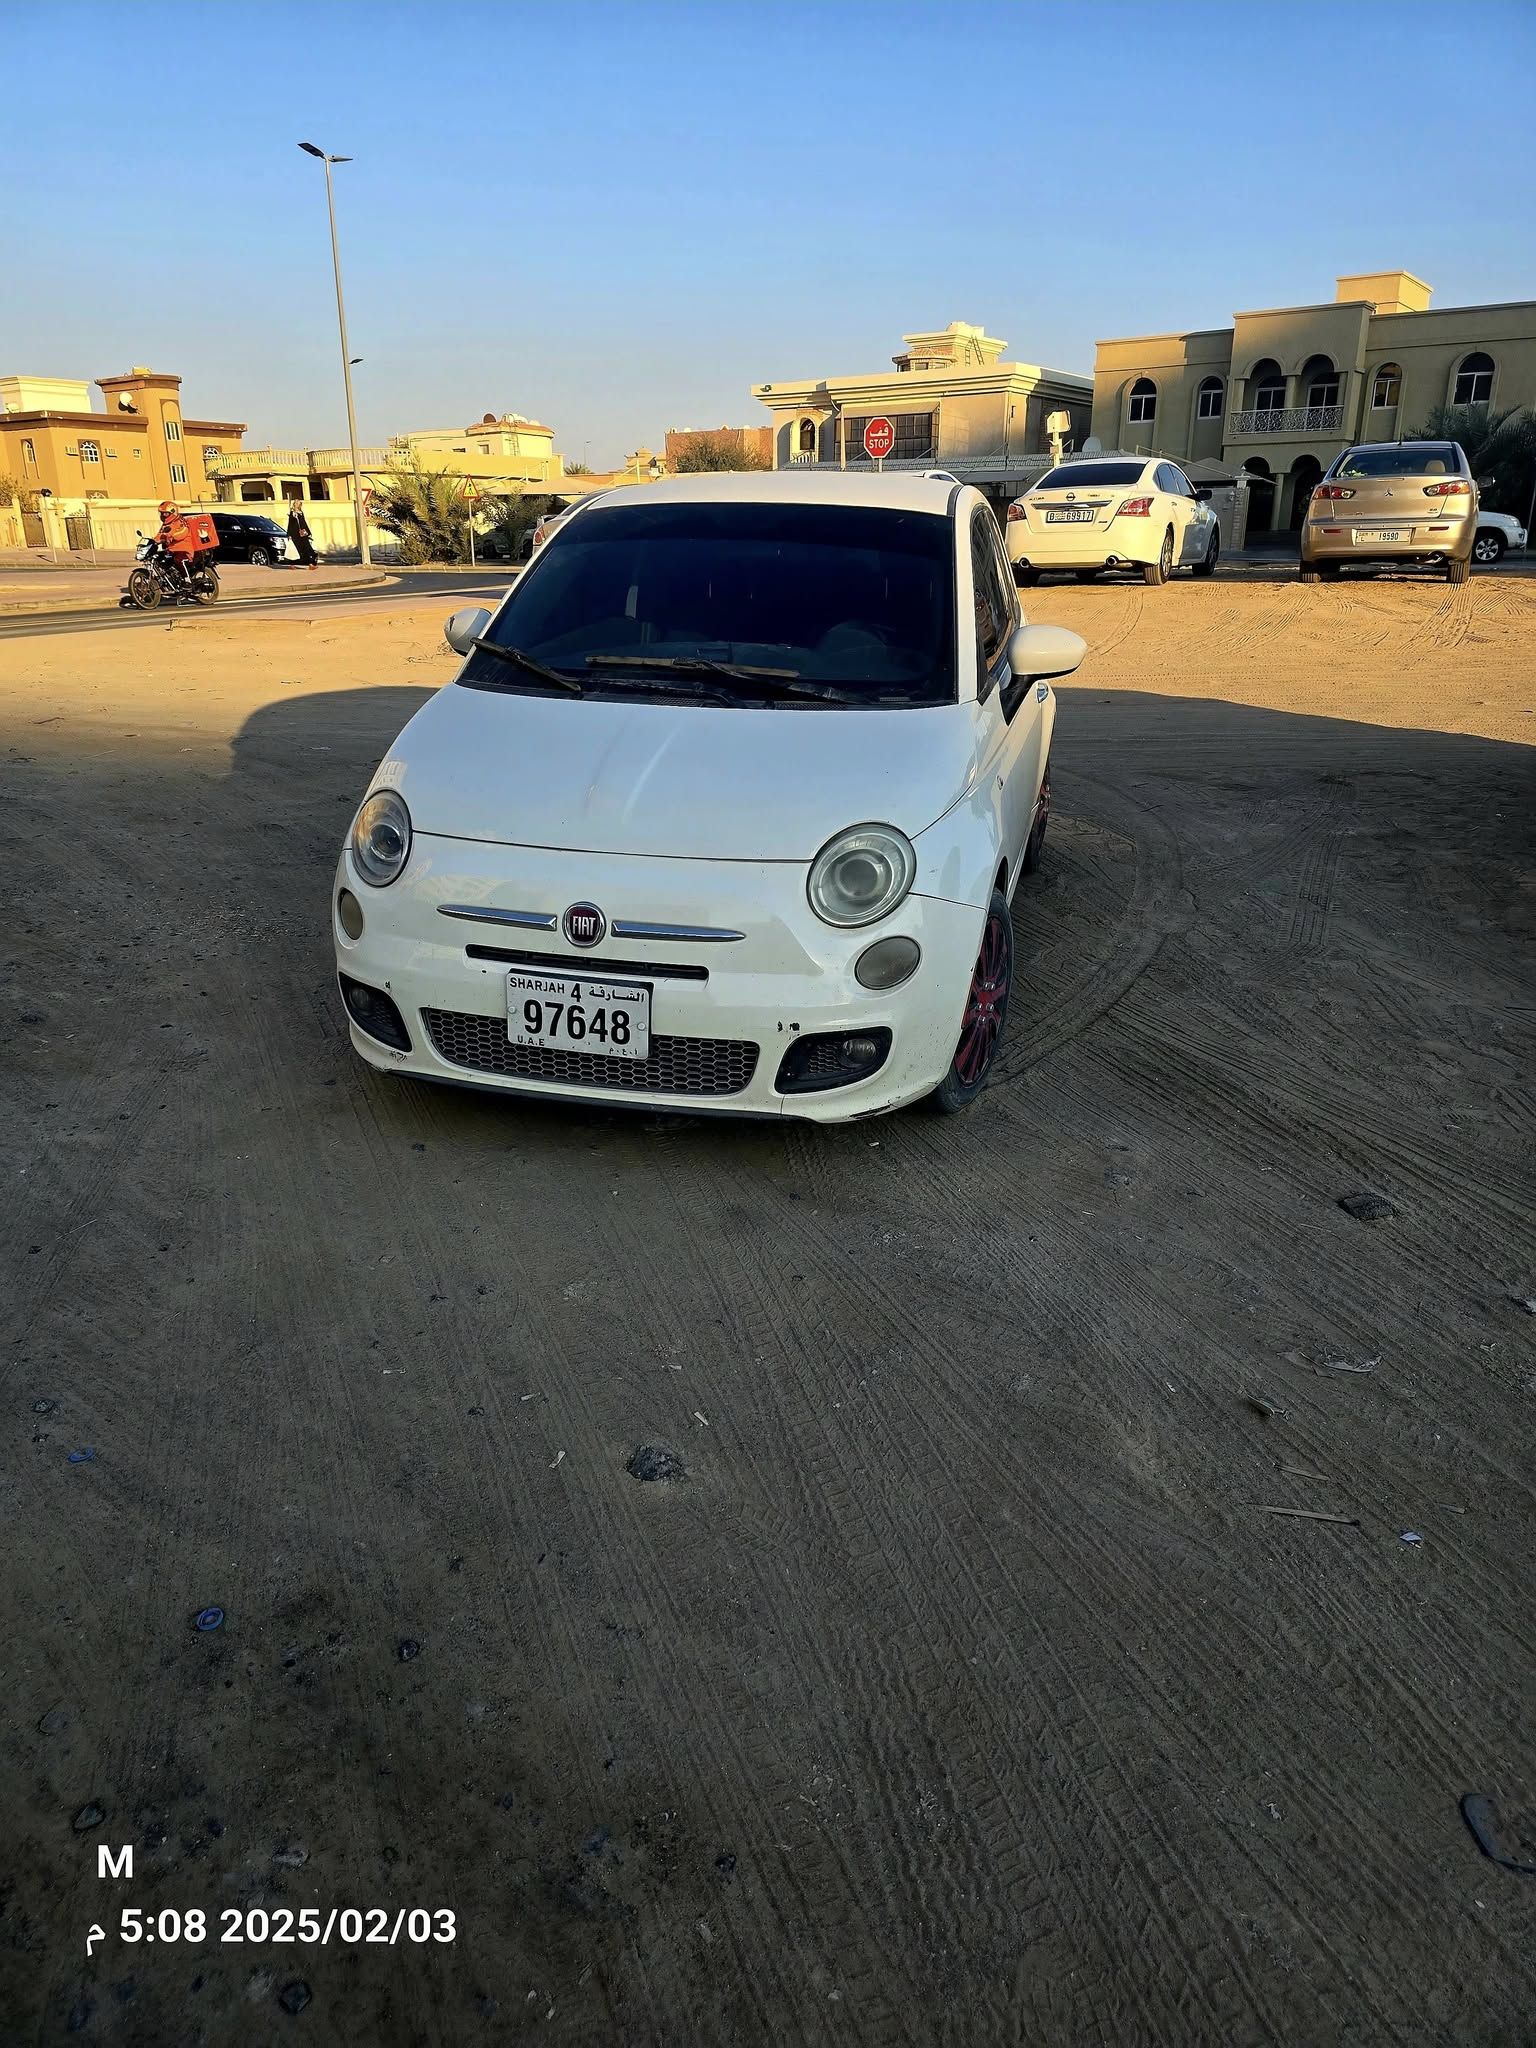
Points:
[(158, 579)]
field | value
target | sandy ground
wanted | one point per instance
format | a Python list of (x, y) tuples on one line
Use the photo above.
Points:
[(964, 1691)]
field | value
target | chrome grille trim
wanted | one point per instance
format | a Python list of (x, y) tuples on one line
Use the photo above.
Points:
[(480, 913), (692, 934)]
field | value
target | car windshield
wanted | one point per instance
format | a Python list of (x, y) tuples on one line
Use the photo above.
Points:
[(856, 597), (1071, 474), (1423, 458)]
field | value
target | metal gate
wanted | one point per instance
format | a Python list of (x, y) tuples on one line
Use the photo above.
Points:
[(32, 530), (77, 531)]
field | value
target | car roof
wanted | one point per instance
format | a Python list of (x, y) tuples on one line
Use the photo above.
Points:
[(901, 490), (1418, 441)]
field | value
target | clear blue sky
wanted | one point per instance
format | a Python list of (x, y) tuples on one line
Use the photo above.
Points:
[(617, 218)]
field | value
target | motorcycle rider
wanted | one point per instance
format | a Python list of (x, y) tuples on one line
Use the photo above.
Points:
[(178, 539)]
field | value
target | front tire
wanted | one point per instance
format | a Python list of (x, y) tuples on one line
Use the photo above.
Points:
[(1160, 570), (1212, 556), (260, 558), (1487, 549), (986, 1012), (144, 590), (1458, 572)]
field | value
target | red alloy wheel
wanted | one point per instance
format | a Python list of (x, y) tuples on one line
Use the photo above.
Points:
[(986, 1004)]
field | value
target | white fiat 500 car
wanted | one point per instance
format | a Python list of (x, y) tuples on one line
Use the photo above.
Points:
[(1113, 512), (723, 810)]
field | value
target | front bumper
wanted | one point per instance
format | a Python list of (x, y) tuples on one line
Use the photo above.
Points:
[(1333, 540), (718, 1038)]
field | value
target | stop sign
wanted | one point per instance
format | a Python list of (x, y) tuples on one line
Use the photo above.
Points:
[(879, 439)]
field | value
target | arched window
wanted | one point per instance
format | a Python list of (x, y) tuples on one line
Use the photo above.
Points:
[(1143, 401), (1386, 388), (1209, 402), (1474, 380), (1266, 381), (807, 437), (1320, 381)]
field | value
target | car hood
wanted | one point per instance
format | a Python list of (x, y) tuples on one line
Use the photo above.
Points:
[(690, 781)]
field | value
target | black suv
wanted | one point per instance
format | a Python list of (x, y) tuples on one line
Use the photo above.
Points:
[(248, 537)]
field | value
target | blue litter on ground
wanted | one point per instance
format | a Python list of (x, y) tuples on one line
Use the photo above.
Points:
[(207, 1618), (85, 1457)]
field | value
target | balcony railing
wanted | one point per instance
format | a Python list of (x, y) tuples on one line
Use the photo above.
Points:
[(259, 461), (341, 458), (1287, 419), (250, 459)]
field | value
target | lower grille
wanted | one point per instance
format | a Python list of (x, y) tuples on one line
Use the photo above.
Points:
[(676, 1066)]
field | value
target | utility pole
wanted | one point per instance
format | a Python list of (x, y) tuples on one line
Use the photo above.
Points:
[(310, 149)]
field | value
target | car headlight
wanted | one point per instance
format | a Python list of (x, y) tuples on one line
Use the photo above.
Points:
[(381, 839), (861, 875)]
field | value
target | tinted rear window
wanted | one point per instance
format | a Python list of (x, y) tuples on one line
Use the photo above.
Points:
[(1071, 474), (1422, 458), (861, 597)]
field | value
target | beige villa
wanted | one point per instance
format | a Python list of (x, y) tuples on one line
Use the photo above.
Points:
[(1281, 393), (137, 446), (954, 402), (502, 452)]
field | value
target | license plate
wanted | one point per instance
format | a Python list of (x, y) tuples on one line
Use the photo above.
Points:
[(1074, 515), (579, 1013), (1371, 536)]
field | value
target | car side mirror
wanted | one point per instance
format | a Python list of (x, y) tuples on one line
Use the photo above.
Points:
[(1040, 651), (465, 628), (1203, 494)]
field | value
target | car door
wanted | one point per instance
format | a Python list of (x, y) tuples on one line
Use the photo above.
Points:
[(1176, 507), (1197, 532), (1008, 704)]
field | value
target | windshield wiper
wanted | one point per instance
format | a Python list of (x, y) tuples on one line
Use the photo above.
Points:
[(673, 686), (529, 666), (764, 682)]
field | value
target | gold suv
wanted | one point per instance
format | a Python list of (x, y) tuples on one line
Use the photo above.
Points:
[(1392, 501)]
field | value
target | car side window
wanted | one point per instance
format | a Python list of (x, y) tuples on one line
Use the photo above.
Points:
[(994, 610), (1165, 480), (1181, 482)]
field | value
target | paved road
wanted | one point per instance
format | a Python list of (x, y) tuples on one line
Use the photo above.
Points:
[(410, 587)]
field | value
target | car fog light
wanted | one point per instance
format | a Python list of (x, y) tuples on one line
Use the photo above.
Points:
[(832, 1059), (887, 963), (350, 913), (374, 1012)]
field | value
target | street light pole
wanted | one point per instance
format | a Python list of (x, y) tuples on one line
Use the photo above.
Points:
[(346, 353)]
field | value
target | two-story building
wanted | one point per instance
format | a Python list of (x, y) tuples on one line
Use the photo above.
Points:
[(502, 452), (1281, 393), (138, 447), (954, 403)]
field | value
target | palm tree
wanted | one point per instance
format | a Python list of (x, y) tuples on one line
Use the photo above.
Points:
[(427, 510), (1500, 446)]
